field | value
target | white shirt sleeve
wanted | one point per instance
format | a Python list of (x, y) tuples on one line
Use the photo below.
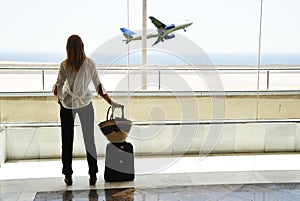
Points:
[(96, 80), (60, 80)]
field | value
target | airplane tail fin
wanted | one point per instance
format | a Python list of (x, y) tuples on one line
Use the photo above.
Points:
[(128, 34)]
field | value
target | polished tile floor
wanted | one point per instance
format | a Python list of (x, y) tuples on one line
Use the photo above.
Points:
[(243, 177), (230, 192)]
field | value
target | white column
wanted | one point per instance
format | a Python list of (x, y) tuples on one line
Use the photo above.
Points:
[(144, 45)]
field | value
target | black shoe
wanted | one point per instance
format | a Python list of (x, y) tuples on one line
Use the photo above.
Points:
[(93, 180), (68, 180)]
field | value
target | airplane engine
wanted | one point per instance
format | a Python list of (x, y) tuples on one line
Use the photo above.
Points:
[(169, 36), (171, 26)]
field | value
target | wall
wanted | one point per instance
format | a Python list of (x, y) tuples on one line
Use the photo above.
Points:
[(154, 107), (32, 125)]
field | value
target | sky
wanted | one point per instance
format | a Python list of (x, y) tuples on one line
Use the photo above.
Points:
[(219, 26)]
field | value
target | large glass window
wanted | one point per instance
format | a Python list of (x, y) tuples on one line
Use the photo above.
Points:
[(34, 36), (210, 70)]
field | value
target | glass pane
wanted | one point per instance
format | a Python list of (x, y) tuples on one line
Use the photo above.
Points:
[(227, 31), (281, 44)]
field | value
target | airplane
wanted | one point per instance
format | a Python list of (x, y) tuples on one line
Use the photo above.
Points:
[(164, 32)]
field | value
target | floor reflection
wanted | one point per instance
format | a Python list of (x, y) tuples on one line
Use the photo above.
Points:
[(68, 195), (119, 194), (257, 192), (126, 194)]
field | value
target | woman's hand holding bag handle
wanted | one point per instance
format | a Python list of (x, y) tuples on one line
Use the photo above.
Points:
[(116, 105)]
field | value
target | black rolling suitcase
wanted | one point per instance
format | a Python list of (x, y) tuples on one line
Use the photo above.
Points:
[(119, 162)]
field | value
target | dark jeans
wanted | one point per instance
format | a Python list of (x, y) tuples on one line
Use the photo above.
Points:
[(86, 116)]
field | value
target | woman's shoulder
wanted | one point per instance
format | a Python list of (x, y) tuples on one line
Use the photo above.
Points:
[(90, 62), (63, 64)]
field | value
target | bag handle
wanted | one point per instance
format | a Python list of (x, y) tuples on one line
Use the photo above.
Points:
[(112, 112)]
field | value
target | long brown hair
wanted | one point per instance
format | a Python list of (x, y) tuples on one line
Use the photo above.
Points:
[(75, 52)]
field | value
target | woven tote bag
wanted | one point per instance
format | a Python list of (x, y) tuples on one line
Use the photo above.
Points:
[(115, 129)]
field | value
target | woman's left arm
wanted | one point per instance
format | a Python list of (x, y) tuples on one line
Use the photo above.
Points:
[(100, 89), (106, 97)]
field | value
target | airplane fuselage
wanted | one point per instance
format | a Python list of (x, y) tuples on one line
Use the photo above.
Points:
[(163, 31)]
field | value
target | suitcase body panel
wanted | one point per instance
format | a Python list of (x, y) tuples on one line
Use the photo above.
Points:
[(119, 162)]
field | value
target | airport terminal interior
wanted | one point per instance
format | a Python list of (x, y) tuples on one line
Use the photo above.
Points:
[(211, 104)]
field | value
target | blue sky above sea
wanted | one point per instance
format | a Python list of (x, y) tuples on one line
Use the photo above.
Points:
[(162, 59)]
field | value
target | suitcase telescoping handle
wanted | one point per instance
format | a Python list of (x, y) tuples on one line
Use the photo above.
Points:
[(112, 112)]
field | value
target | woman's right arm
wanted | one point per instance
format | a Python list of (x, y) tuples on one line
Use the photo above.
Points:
[(57, 91)]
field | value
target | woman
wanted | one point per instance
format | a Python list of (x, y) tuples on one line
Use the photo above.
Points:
[(71, 88)]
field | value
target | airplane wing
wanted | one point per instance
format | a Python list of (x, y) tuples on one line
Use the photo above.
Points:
[(157, 23), (157, 41)]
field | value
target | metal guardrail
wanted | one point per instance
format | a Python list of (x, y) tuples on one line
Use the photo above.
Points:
[(163, 94), (267, 71), (47, 66)]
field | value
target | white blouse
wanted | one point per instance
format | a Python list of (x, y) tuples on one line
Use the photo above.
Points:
[(73, 87)]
